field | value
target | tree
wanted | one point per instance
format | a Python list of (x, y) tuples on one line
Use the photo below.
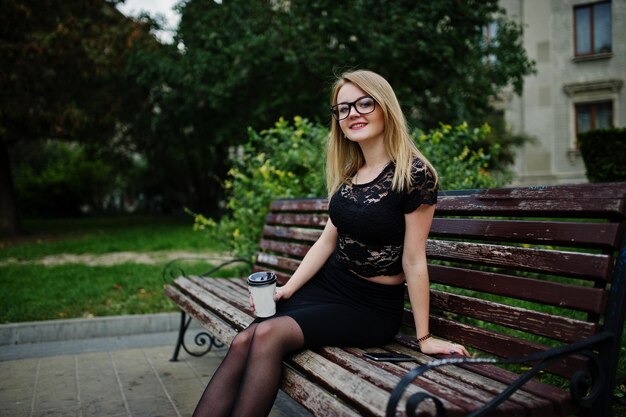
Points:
[(240, 64), (62, 78)]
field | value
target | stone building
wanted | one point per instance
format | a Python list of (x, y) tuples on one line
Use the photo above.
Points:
[(580, 50)]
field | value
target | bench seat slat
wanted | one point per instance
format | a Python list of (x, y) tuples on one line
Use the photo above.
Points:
[(363, 395), (563, 403), (586, 299), (560, 399), (221, 289), (216, 305), (572, 264), (384, 374), (221, 330), (312, 397), (535, 405), (552, 326), (238, 285), (592, 235)]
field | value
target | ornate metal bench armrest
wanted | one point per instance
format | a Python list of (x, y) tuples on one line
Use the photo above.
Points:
[(203, 339), (173, 268), (584, 387)]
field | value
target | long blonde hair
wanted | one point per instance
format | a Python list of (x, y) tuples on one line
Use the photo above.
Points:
[(344, 157)]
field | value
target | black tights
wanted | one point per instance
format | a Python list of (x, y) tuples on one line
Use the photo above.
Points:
[(247, 381)]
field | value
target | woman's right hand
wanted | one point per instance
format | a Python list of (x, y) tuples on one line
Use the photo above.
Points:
[(282, 293)]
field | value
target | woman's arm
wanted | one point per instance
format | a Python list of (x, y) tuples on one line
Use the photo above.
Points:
[(312, 262), (415, 268)]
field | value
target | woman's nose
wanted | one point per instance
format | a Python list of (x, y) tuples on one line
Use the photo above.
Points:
[(352, 114)]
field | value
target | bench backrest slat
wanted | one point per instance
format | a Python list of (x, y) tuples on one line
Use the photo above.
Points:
[(579, 265), (513, 271), (592, 235), (556, 327), (575, 297), (297, 219)]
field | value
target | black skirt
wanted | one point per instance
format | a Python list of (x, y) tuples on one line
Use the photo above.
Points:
[(338, 308)]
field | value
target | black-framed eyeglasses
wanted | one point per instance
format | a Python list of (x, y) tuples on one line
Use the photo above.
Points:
[(362, 105)]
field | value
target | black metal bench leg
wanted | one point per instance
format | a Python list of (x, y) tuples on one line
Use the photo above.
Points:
[(182, 329), (202, 339)]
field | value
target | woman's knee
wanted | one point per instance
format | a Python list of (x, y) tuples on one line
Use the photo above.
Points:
[(241, 343), (277, 335)]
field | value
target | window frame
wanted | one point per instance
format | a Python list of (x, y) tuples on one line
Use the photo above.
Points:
[(593, 105), (591, 7)]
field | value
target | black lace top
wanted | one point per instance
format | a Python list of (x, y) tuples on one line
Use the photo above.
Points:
[(370, 220)]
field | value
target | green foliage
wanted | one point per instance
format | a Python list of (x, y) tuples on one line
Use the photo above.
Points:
[(62, 69), (238, 64), (282, 162), (508, 142), (288, 161), (459, 159), (604, 153), (62, 77), (61, 178)]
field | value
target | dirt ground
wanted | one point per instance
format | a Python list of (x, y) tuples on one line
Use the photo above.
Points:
[(108, 259)]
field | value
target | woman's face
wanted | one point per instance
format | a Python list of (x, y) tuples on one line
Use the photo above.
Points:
[(360, 127)]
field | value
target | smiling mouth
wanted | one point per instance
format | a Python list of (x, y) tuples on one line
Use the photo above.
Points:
[(358, 125)]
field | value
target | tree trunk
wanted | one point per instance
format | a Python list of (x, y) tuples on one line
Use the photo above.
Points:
[(8, 210)]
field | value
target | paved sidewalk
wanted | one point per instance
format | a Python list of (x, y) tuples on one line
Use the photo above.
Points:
[(109, 376)]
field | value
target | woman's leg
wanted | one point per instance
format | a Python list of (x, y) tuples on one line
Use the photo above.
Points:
[(219, 395), (273, 339)]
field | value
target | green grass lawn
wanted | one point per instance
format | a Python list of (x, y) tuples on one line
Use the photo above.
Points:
[(31, 291), (107, 234)]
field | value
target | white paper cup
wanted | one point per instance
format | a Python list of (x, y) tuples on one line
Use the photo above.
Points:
[(262, 287)]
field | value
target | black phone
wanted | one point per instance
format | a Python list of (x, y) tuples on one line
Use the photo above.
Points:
[(388, 357)]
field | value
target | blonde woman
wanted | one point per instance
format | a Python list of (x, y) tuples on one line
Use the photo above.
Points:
[(349, 288)]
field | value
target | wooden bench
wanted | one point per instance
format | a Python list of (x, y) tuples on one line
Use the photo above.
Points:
[(514, 272)]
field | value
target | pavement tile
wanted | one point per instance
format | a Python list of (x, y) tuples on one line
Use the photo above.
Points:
[(15, 402), (99, 380), (13, 412), (152, 407)]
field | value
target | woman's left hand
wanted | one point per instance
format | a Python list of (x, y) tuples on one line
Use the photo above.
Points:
[(433, 346)]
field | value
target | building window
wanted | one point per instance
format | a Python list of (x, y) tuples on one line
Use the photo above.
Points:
[(490, 42), (592, 23), (593, 116)]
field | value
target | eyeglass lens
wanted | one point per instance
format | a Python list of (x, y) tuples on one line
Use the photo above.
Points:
[(364, 105)]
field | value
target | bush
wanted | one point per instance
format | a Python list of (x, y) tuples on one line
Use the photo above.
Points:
[(604, 153), (288, 161), (283, 162), (456, 154), (55, 178)]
